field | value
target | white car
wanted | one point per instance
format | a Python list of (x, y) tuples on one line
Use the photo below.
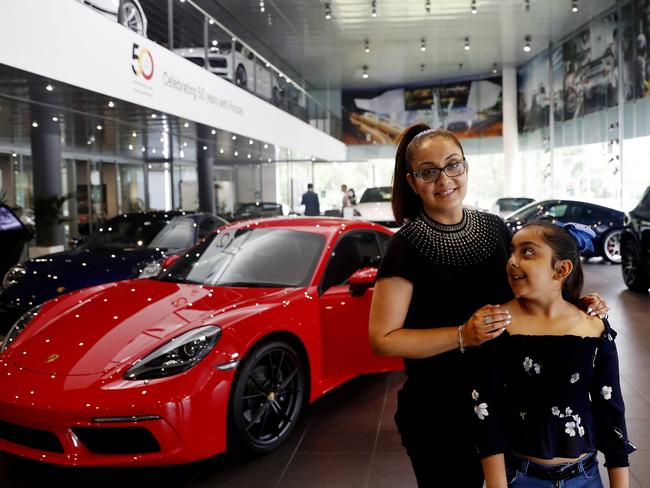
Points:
[(375, 206), (129, 13), (239, 67)]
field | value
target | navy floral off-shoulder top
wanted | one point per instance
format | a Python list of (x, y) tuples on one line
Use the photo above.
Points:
[(550, 396)]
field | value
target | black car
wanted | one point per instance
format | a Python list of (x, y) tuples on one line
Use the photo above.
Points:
[(123, 248), (255, 210), (506, 205), (635, 246), (606, 222)]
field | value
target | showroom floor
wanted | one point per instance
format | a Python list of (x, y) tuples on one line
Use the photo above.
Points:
[(348, 438)]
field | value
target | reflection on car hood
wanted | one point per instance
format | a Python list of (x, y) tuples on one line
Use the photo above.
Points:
[(375, 211), (100, 328), (59, 273)]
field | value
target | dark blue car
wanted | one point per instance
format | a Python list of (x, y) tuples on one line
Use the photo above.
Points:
[(127, 246)]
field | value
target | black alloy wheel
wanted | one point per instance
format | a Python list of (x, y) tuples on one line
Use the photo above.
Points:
[(267, 397), (240, 76), (611, 250), (634, 273)]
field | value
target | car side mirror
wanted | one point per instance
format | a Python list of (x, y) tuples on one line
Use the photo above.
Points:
[(169, 260), (361, 280)]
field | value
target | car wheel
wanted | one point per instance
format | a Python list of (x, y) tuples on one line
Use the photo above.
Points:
[(611, 250), (240, 76), (267, 397), (634, 274), (130, 16)]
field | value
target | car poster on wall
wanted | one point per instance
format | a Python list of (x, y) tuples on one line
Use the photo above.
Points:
[(467, 108), (586, 71)]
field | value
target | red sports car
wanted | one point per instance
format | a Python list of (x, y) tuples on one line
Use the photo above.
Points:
[(223, 348)]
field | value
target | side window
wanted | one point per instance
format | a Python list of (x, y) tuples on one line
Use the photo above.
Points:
[(208, 225), (383, 242), (354, 251), (557, 211)]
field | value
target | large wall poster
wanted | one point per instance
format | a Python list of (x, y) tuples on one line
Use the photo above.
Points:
[(468, 108), (533, 94)]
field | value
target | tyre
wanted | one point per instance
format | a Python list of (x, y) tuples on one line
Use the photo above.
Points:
[(635, 275), (240, 76), (267, 398), (611, 249), (131, 17)]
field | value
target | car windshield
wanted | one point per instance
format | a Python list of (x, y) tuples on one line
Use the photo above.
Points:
[(126, 233), (177, 234), (265, 257), (526, 212), (380, 194)]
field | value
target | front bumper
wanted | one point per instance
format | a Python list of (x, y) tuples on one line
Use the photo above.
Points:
[(103, 420)]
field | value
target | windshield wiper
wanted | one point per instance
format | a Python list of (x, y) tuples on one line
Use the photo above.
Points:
[(171, 279), (249, 284)]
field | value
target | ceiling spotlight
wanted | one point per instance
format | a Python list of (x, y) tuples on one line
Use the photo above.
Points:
[(328, 11), (495, 68), (262, 7), (236, 153), (266, 146), (99, 127), (221, 150), (527, 43), (214, 131), (153, 116), (130, 147), (365, 72), (234, 137), (366, 46), (134, 134), (250, 141), (574, 6), (423, 45), (49, 87), (474, 9), (527, 5), (427, 6), (467, 46), (373, 11), (34, 124), (55, 119), (111, 104)]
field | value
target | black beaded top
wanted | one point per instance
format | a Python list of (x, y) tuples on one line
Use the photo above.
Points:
[(455, 270)]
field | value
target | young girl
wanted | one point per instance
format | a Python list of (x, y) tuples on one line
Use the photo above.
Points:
[(551, 395)]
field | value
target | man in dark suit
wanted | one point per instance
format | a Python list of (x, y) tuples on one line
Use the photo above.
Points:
[(310, 201)]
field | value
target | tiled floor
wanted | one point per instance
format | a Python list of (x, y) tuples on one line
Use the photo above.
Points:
[(348, 438)]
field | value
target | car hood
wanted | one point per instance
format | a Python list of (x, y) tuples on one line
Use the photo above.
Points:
[(376, 211), (98, 329), (53, 275)]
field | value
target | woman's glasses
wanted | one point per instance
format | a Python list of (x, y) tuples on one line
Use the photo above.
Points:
[(452, 170)]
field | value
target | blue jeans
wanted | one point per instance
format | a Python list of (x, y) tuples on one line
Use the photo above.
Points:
[(519, 476)]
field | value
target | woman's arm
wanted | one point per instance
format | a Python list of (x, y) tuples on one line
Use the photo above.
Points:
[(494, 469), (388, 337)]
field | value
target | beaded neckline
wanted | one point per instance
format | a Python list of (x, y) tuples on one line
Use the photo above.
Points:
[(444, 227)]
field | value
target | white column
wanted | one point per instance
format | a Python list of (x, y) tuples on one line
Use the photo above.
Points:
[(512, 167)]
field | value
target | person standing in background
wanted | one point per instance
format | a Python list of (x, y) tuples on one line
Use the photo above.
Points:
[(310, 201), (345, 202)]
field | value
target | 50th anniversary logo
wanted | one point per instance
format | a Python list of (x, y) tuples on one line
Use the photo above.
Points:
[(142, 62)]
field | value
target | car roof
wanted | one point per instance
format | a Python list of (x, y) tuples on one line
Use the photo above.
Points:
[(316, 225)]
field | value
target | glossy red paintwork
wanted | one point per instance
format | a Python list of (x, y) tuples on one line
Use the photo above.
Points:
[(98, 333)]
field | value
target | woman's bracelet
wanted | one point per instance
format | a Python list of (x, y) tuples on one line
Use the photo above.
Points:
[(460, 338)]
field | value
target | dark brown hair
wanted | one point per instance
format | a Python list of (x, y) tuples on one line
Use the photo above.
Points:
[(564, 246), (405, 202)]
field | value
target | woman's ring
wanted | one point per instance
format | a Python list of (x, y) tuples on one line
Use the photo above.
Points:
[(487, 320)]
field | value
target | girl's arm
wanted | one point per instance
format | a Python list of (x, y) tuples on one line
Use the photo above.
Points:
[(494, 469), (618, 477)]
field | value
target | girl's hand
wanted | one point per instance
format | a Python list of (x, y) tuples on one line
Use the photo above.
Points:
[(487, 323), (594, 304)]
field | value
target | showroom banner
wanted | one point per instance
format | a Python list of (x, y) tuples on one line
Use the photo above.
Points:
[(68, 42), (467, 108), (586, 70)]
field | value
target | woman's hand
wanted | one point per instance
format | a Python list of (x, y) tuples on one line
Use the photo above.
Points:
[(487, 323), (593, 304)]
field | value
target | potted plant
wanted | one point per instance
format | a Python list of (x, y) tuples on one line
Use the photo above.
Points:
[(48, 212)]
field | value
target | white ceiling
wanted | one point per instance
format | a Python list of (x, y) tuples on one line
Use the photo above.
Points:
[(331, 52)]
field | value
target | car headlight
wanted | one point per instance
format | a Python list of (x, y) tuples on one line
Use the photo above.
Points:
[(14, 275), (18, 327), (176, 356), (148, 270)]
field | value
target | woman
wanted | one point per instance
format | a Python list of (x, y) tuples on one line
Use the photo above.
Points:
[(563, 396), (443, 265)]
